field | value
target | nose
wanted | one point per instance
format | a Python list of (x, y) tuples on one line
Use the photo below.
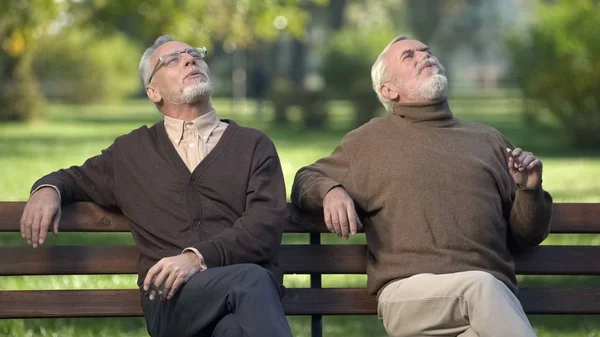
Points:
[(187, 59), (423, 55)]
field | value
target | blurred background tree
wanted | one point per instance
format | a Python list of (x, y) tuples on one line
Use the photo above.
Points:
[(22, 25), (347, 69), (89, 49), (557, 64)]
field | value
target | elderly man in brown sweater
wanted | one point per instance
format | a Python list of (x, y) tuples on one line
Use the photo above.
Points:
[(445, 202), (205, 199)]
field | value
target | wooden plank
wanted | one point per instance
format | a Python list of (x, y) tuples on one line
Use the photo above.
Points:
[(351, 259), (298, 301), (68, 260), (559, 260), (69, 303), (578, 218), (298, 259), (567, 218), (77, 217)]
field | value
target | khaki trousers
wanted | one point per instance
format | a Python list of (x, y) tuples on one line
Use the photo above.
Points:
[(465, 304)]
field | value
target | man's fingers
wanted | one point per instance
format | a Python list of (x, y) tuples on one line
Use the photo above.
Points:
[(43, 231), (159, 283), (517, 152), (534, 164), (178, 282), (55, 222), (344, 226), (355, 224), (35, 229), (152, 272), (511, 166), (169, 285), (353, 220), (327, 217), (526, 161), (159, 280), (335, 222), (521, 158), (24, 221)]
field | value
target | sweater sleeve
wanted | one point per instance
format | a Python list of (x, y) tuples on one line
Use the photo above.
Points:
[(529, 211), (255, 236), (312, 182), (92, 181), (530, 217)]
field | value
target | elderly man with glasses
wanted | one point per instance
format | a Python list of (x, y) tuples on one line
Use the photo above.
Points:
[(205, 198)]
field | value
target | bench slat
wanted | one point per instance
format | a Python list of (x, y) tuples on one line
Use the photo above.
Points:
[(577, 218), (332, 301), (68, 260), (299, 259), (567, 218), (76, 217)]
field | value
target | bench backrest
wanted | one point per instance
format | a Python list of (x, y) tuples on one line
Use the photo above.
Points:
[(314, 259)]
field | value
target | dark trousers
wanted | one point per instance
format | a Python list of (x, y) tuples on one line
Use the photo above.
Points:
[(242, 300)]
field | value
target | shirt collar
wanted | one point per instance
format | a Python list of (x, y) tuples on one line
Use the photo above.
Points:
[(204, 124)]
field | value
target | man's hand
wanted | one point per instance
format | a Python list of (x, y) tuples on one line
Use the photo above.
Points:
[(340, 214), (166, 276), (525, 168), (42, 209)]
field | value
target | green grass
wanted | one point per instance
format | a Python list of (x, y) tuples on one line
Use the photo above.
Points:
[(71, 134)]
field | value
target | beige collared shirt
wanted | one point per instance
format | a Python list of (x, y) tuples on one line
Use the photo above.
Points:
[(194, 140)]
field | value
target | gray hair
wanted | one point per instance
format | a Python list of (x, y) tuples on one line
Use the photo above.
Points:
[(379, 73), (145, 64)]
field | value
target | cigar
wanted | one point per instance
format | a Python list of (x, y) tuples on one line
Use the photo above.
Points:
[(509, 151)]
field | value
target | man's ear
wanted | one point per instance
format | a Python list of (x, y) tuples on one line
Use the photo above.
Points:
[(389, 92), (153, 94)]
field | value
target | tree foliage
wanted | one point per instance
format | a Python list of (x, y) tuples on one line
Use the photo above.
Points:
[(27, 24), (557, 64), (238, 21), (22, 24), (347, 68)]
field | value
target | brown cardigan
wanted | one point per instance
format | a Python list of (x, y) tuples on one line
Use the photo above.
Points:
[(230, 207)]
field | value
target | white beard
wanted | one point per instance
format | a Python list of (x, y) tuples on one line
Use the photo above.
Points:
[(434, 88), (194, 92)]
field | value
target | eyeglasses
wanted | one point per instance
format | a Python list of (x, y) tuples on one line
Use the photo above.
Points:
[(173, 59)]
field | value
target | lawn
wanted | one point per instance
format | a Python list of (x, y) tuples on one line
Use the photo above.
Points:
[(70, 134)]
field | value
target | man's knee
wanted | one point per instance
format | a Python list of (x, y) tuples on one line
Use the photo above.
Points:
[(481, 282), (254, 276)]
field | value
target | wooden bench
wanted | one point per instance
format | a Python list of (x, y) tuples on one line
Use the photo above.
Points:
[(314, 259)]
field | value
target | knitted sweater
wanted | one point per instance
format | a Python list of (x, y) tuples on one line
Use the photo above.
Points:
[(435, 192)]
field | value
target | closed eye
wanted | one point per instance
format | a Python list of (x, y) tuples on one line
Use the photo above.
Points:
[(407, 55)]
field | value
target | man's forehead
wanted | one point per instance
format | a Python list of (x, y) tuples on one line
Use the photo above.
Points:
[(169, 47), (401, 46)]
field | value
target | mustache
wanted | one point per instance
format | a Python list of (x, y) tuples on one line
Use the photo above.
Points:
[(194, 70), (429, 62)]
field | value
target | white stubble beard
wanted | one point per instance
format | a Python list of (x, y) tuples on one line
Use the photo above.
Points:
[(200, 89)]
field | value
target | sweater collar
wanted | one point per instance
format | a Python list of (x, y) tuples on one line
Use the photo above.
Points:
[(436, 113)]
